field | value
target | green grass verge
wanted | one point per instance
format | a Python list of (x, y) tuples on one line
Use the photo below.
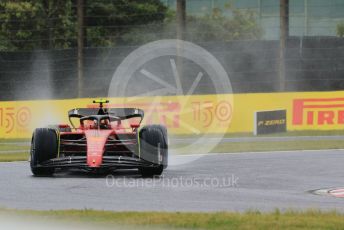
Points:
[(310, 133), (8, 157), (277, 146), (4, 140), (229, 147), (254, 146), (12, 147), (14, 150), (213, 221), (286, 134)]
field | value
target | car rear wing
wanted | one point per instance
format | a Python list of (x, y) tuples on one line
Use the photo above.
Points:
[(121, 113)]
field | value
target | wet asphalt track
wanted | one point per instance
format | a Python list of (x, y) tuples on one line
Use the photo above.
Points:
[(230, 182)]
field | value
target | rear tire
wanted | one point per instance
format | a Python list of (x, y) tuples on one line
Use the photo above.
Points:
[(43, 148), (154, 149)]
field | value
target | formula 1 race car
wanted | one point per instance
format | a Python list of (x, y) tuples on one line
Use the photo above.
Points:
[(105, 139)]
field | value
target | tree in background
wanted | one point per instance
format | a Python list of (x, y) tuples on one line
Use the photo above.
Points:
[(228, 25), (107, 20), (51, 24), (221, 25), (340, 29), (42, 24)]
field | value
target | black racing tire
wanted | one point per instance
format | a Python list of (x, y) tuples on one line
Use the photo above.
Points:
[(44, 146), (154, 149)]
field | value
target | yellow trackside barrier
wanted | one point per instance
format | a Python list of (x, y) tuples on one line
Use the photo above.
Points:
[(188, 114)]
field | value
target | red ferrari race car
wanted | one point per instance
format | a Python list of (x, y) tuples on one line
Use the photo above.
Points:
[(105, 139)]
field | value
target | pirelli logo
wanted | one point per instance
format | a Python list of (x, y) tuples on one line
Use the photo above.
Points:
[(320, 111)]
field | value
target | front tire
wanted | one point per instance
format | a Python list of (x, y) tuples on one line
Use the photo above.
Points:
[(44, 147), (154, 149)]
